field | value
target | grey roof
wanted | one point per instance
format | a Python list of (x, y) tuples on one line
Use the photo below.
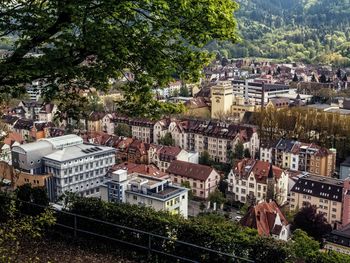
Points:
[(78, 151), (320, 186)]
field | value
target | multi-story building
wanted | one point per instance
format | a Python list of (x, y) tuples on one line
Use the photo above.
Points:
[(259, 92), (216, 138), (254, 180), (162, 156), (75, 166), (298, 156), (326, 193), (47, 112), (144, 190), (201, 178), (141, 129)]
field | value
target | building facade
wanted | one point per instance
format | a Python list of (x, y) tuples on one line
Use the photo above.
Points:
[(324, 192), (75, 166), (298, 156), (202, 179), (254, 180), (144, 190)]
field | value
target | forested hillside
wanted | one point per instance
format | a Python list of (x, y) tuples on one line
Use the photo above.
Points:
[(307, 30)]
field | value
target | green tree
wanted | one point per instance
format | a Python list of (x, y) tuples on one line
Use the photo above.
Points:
[(187, 185), (246, 153), (217, 197), (238, 150), (303, 246), (205, 158), (167, 140), (123, 130), (184, 92), (82, 44), (312, 222)]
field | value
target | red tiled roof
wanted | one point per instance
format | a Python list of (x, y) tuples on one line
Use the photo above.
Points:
[(190, 170), (259, 168), (13, 137), (145, 169), (262, 217)]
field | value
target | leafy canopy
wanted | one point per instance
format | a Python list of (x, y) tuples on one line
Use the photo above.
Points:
[(82, 44)]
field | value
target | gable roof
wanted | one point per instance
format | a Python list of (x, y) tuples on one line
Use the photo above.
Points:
[(262, 217), (190, 170), (260, 169)]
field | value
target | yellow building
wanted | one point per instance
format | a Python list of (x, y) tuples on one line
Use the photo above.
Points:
[(221, 99)]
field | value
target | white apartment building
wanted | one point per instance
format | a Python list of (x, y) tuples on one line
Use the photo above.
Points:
[(252, 179), (75, 166), (259, 92), (143, 190)]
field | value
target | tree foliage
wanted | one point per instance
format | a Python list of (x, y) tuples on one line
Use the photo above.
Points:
[(312, 222), (77, 46), (123, 130), (167, 140)]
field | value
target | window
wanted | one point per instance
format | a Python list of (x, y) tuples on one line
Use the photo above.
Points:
[(134, 197), (334, 210)]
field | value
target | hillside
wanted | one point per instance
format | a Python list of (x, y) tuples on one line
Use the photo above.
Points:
[(308, 30)]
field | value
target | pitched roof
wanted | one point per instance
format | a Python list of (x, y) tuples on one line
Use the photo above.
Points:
[(145, 169), (47, 108), (190, 170), (262, 217), (260, 169), (320, 186), (13, 137)]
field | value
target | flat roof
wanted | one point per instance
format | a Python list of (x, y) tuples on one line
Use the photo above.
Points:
[(77, 151)]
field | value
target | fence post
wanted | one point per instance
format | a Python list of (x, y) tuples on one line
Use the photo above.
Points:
[(149, 246), (75, 225)]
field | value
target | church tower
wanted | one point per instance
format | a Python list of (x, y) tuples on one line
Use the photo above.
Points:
[(221, 99)]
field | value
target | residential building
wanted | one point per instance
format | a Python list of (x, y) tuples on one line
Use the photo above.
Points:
[(162, 156), (254, 180), (268, 220), (75, 166), (345, 169), (202, 179), (12, 139), (47, 112), (298, 156), (31, 109), (145, 169), (324, 192), (339, 240), (216, 138), (221, 99), (144, 190)]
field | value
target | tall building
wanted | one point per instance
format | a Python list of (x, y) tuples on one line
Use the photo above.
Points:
[(144, 190), (75, 166), (221, 99)]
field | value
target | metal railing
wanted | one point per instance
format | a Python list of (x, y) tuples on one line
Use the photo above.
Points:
[(150, 242)]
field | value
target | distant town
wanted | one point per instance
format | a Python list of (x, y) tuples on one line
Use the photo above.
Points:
[(215, 156)]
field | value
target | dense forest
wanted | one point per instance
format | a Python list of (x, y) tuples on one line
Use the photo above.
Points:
[(312, 31)]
